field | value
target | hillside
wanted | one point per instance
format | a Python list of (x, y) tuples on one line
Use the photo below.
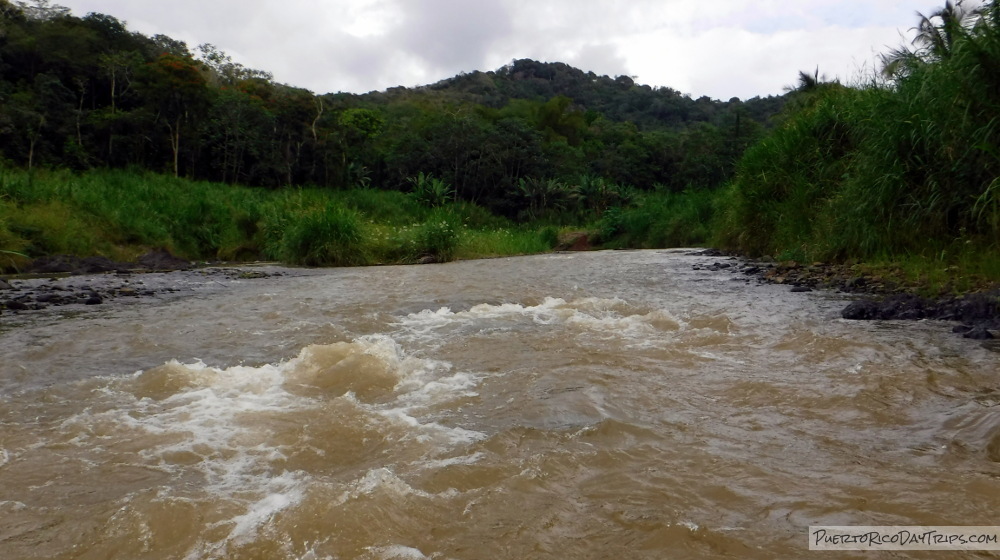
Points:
[(87, 92)]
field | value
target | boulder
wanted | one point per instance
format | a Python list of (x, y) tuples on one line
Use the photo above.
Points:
[(864, 310), (979, 333)]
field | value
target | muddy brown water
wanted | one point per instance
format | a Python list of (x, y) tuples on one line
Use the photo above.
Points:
[(592, 405)]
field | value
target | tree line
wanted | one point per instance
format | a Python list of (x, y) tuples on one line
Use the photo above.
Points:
[(86, 92)]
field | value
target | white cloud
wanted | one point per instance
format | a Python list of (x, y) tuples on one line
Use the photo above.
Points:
[(722, 48)]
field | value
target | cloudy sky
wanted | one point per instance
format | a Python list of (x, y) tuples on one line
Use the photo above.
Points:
[(718, 48)]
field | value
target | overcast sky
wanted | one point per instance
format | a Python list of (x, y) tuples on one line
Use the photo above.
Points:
[(718, 48)]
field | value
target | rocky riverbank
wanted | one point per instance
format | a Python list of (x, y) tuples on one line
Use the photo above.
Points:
[(68, 282), (881, 298)]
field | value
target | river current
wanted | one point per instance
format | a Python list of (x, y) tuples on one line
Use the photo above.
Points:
[(584, 405)]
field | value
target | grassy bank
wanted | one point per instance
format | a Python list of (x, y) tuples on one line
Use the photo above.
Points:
[(121, 214)]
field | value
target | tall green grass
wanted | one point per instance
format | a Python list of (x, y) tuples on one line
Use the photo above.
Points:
[(121, 214), (908, 168), (659, 220)]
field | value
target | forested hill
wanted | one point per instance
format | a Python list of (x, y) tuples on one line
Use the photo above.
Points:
[(619, 99), (86, 92)]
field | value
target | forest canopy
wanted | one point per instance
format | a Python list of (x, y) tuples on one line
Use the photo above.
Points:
[(86, 92)]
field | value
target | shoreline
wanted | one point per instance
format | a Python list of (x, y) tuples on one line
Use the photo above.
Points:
[(69, 285), (881, 298)]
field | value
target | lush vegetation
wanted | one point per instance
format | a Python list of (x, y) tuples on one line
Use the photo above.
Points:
[(92, 112), (84, 93), (905, 166), (123, 213)]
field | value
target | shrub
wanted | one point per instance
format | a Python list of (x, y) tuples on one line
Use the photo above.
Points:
[(325, 236), (438, 236)]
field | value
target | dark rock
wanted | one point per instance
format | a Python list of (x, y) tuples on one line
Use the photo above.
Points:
[(853, 284), (46, 298), (162, 260), (429, 259), (54, 263), (751, 270), (74, 265), (94, 299), (961, 329), (14, 305), (981, 309), (93, 265), (708, 253), (979, 333), (903, 306), (864, 310), (801, 289), (5, 286)]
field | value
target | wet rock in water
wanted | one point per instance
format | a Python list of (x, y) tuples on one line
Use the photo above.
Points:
[(163, 260), (982, 309), (801, 289), (5, 286), (94, 299), (979, 333), (864, 310), (15, 305), (903, 306), (708, 253), (899, 306), (961, 329), (47, 298)]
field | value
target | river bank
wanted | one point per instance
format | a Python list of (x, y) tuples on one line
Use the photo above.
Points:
[(67, 285), (883, 294)]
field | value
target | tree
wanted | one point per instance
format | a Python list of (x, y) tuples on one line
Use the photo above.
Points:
[(37, 113), (935, 39), (42, 10), (224, 70), (237, 125), (177, 90)]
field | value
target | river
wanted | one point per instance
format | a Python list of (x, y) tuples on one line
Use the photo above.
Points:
[(580, 405)]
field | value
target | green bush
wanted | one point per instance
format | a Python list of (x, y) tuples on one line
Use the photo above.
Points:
[(438, 236), (325, 236), (659, 220)]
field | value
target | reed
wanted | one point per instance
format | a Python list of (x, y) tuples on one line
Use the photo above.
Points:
[(123, 213), (887, 170), (660, 219)]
